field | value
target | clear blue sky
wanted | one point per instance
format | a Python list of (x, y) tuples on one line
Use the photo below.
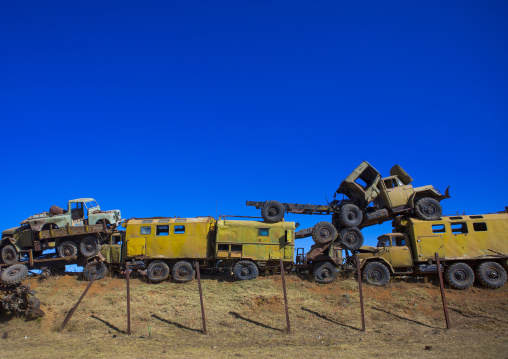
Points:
[(164, 108)]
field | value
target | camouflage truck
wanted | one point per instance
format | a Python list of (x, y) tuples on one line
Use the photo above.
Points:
[(370, 200), (83, 225), (466, 245), (171, 246)]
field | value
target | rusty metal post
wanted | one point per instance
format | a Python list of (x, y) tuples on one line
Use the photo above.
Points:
[(127, 276), (285, 295), (201, 298), (68, 317), (443, 297), (31, 257), (359, 270)]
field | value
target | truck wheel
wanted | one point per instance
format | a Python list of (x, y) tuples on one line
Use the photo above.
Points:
[(245, 270), (376, 273), (14, 274), (459, 276), (89, 246), (95, 269), (491, 274), (350, 215), (324, 232), (273, 211), (157, 271), (351, 238), (67, 249), (9, 254), (183, 272), (428, 209), (324, 272)]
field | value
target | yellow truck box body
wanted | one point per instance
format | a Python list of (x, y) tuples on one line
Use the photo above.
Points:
[(458, 237), (254, 240), (170, 238)]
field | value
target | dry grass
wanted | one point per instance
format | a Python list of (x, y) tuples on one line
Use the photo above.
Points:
[(246, 319)]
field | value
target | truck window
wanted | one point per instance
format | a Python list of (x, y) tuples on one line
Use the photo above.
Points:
[(146, 221), (438, 228), (480, 227), (385, 242), (263, 232), (145, 230), (390, 183), (459, 227), (400, 241), (163, 230), (179, 229), (163, 221)]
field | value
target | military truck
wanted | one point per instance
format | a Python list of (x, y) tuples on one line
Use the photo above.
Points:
[(171, 246), (465, 244), (83, 225), (370, 200)]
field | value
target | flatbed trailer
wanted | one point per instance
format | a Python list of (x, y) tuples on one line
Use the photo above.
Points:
[(298, 208)]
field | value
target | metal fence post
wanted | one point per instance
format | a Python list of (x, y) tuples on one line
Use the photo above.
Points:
[(201, 298), (443, 297), (127, 279), (359, 270), (68, 317), (285, 295)]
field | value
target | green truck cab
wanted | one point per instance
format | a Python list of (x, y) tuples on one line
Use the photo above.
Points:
[(172, 246), (466, 245)]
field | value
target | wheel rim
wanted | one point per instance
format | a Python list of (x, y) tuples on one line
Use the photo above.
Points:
[(492, 273), (350, 239), (13, 272), (182, 272), (325, 273), (67, 250), (273, 211), (429, 210), (89, 247), (157, 272), (375, 275), (325, 233), (351, 215), (461, 276), (9, 255)]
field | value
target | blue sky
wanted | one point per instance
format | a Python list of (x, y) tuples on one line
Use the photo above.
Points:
[(178, 108)]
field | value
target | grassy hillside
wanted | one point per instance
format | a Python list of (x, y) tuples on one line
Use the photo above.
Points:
[(247, 319)]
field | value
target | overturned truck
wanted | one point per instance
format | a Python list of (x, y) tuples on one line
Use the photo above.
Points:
[(367, 199)]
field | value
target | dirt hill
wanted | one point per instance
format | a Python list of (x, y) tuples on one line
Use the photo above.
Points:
[(247, 319)]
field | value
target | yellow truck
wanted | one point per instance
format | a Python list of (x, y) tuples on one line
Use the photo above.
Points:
[(171, 246), (465, 244)]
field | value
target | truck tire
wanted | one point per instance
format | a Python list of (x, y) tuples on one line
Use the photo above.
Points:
[(491, 275), (34, 303), (14, 274), (428, 209), (324, 232), (96, 270), (183, 272), (351, 238), (89, 246), (9, 254), (324, 272), (459, 276), (157, 271), (376, 273), (67, 249), (350, 215), (245, 270), (273, 211)]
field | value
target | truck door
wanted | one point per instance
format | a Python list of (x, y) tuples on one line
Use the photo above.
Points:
[(396, 193), (158, 243), (136, 238), (400, 255)]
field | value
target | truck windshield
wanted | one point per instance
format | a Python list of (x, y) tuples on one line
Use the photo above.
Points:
[(384, 242), (91, 204)]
